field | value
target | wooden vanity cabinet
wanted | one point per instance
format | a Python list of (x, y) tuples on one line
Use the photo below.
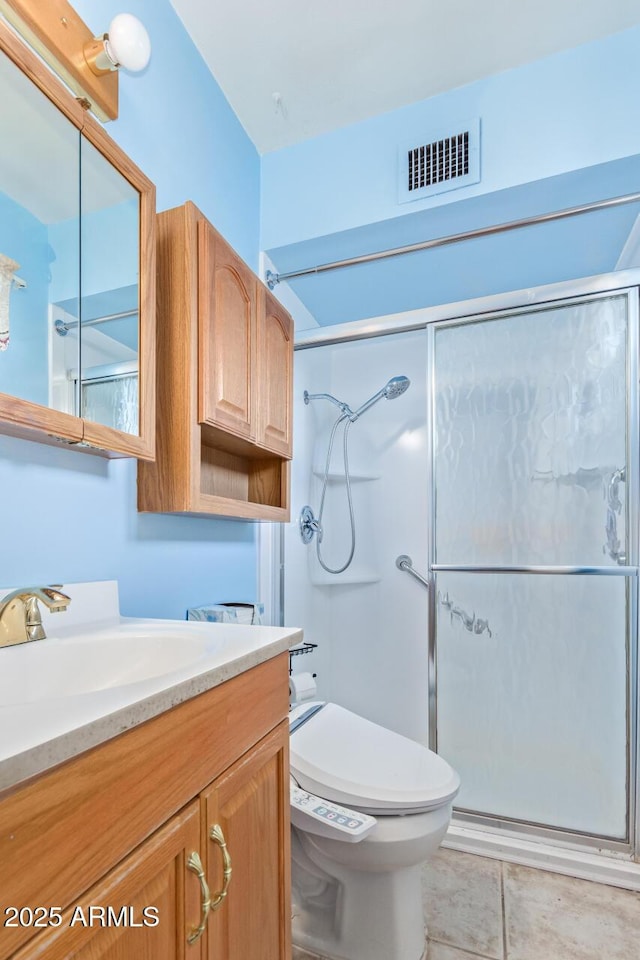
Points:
[(140, 910), (224, 383), (246, 803), (118, 827)]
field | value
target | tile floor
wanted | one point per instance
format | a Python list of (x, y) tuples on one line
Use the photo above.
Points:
[(482, 909), (477, 907)]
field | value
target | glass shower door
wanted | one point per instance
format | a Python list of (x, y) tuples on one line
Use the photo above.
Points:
[(533, 606)]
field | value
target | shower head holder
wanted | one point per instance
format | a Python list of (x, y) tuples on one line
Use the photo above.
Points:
[(344, 407), (392, 389)]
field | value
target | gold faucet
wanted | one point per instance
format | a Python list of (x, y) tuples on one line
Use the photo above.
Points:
[(20, 618)]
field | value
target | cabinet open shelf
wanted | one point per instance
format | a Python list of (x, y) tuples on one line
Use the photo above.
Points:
[(321, 579), (338, 476), (243, 486)]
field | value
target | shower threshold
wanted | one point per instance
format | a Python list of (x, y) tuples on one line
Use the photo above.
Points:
[(615, 869)]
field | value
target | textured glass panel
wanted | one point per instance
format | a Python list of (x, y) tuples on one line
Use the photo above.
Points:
[(110, 231), (532, 696), (114, 402), (530, 429)]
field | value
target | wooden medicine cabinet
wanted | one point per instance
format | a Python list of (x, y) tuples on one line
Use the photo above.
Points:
[(77, 271), (224, 387)]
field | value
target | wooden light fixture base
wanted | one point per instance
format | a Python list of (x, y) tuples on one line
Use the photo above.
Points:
[(59, 35)]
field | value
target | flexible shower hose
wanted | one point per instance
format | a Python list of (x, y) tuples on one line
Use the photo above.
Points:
[(345, 446)]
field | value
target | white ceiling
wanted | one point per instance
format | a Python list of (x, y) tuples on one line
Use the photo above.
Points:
[(293, 69)]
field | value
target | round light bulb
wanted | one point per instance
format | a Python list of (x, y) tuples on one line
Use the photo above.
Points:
[(128, 43)]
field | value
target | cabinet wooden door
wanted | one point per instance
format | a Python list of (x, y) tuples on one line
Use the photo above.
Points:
[(249, 804), (226, 335), (147, 908), (274, 400)]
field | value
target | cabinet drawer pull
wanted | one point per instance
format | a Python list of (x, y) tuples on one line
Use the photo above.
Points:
[(194, 863), (217, 836)]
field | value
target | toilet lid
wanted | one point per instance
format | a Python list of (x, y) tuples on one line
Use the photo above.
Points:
[(342, 757)]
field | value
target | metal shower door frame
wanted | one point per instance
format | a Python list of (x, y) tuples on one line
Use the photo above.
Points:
[(577, 293), (271, 551)]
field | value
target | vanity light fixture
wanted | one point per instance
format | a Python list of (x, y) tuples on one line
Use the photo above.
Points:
[(125, 45), (87, 64)]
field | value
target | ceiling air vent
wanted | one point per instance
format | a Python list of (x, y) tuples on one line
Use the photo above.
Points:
[(443, 162)]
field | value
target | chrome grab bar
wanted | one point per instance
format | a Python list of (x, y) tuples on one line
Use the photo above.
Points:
[(403, 562)]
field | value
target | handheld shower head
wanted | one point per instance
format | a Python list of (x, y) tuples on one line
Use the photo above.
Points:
[(394, 388)]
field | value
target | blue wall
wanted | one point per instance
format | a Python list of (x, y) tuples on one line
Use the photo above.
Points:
[(176, 124), (531, 256), (71, 516), (109, 252), (562, 113), (554, 134)]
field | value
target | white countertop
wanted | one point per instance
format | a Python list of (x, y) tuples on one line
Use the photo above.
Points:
[(37, 732)]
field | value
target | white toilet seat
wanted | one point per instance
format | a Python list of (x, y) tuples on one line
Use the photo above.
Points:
[(344, 758)]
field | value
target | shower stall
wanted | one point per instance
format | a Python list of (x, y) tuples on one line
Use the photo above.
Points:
[(490, 609)]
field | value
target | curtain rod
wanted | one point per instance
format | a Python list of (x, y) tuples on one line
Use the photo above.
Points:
[(272, 279), (62, 327)]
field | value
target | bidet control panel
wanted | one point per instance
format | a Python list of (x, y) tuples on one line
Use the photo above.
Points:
[(325, 819)]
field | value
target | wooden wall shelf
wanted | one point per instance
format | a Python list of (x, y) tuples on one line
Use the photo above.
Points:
[(225, 375)]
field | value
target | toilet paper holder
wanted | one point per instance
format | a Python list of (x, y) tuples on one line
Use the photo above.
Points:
[(304, 647)]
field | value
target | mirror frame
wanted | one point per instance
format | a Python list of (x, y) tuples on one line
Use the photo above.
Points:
[(32, 421)]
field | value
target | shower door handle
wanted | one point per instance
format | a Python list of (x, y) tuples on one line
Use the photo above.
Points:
[(614, 507), (403, 562)]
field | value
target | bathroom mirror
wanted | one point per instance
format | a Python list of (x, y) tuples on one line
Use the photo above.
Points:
[(39, 231), (76, 270), (95, 336)]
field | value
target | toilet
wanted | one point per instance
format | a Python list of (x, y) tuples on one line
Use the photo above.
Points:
[(368, 807)]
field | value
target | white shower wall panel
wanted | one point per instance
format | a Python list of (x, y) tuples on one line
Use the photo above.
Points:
[(370, 622)]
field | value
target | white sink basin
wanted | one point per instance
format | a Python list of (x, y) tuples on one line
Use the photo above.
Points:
[(87, 663), (98, 674)]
